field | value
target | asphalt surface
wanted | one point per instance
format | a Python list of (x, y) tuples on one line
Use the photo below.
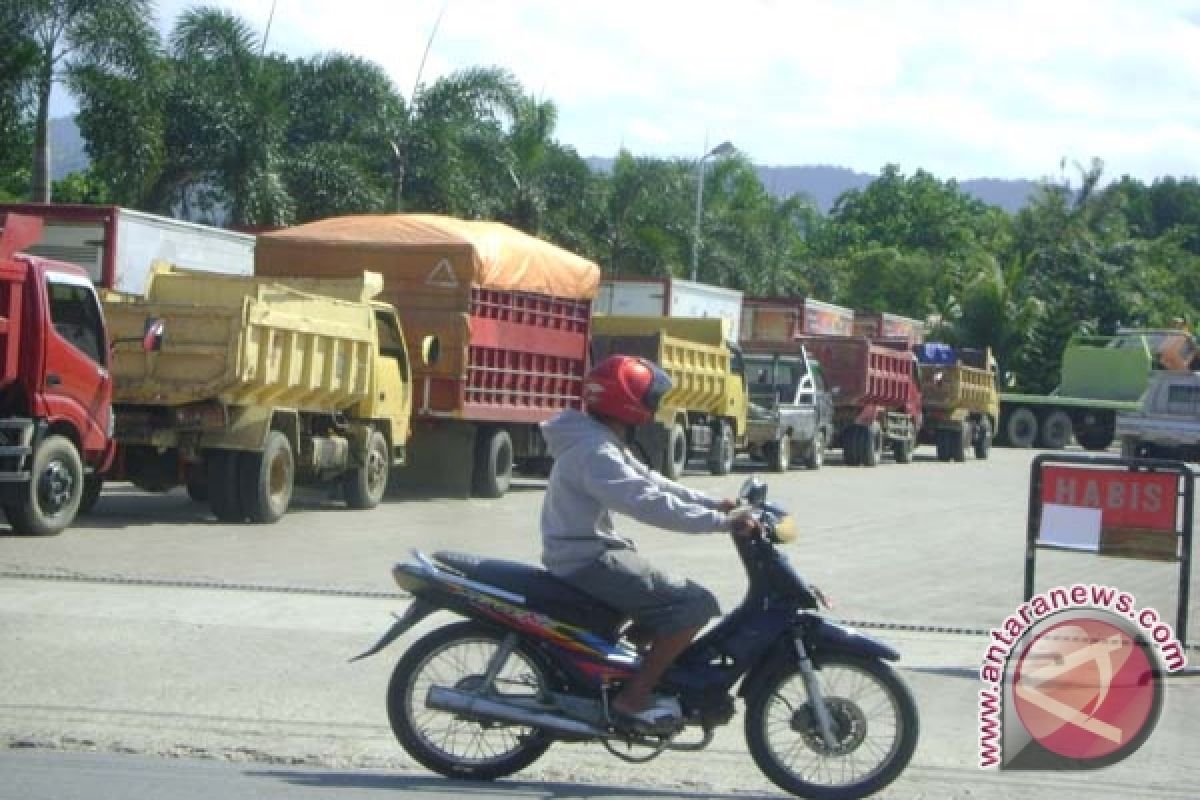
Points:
[(250, 687)]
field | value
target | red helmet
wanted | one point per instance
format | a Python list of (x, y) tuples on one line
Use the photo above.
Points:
[(625, 388)]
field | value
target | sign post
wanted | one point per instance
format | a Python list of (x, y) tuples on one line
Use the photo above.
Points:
[(1117, 507)]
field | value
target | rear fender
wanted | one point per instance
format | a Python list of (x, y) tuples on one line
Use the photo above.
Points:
[(418, 610)]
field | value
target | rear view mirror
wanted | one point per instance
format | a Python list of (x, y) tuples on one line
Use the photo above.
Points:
[(152, 336), (754, 491)]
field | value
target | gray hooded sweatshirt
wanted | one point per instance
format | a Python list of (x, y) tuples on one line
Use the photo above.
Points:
[(594, 473)]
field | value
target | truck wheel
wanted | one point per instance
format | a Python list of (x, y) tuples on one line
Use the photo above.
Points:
[(778, 455), (1096, 437), (1022, 427), (493, 463), (959, 441), (816, 451), (902, 450), (983, 439), (50, 501), (197, 482), (1056, 430), (267, 479), (851, 447), (92, 486), (872, 445), (365, 485), (224, 497), (720, 458), (676, 456)]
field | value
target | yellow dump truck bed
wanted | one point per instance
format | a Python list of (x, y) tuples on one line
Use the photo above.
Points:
[(691, 350), (245, 341)]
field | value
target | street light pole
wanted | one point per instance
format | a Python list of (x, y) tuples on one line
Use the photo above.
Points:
[(723, 149)]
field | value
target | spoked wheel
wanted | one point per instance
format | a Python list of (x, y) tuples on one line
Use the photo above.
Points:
[(457, 657), (874, 721)]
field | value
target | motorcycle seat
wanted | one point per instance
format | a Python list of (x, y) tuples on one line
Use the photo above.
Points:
[(542, 591)]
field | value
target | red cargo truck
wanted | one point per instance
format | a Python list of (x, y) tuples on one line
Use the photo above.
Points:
[(876, 396), (55, 390), (778, 319), (884, 325), (498, 320)]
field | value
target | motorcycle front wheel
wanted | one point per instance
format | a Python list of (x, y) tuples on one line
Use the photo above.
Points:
[(874, 722), (457, 656)]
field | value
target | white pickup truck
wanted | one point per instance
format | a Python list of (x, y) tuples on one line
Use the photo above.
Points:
[(1168, 423)]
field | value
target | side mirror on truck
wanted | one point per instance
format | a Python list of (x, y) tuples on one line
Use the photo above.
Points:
[(152, 337)]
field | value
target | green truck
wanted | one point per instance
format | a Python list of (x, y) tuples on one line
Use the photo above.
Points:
[(1101, 377)]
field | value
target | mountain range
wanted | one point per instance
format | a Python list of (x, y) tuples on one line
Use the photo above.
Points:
[(822, 183)]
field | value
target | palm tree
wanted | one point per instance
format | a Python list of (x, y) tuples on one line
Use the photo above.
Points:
[(70, 35), (453, 127), (229, 115)]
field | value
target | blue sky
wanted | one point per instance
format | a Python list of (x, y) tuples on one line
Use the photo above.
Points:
[(967, 89)]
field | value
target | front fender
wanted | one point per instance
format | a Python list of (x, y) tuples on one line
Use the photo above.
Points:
[(821, 634)]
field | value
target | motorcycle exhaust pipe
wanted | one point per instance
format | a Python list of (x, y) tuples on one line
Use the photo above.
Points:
[(484, 708)]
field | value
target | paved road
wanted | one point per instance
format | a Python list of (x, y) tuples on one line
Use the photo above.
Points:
[(261, 676)]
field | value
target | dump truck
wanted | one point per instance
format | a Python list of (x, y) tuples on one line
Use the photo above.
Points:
[(669, 297), (960, 402), (1100, 377), (876, 396), (1167, 422), (117, 246), (498, 321), (55, 387), (704, 414), (780, 319), (241, 388), (790, 415)]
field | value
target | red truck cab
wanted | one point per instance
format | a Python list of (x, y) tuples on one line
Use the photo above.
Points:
[(55, 387)]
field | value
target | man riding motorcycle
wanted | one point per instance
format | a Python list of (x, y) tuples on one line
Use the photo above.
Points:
[(595, 473)]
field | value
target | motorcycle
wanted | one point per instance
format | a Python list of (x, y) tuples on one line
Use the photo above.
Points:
[(537, 661)]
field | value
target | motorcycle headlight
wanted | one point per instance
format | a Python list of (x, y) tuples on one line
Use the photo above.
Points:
[(785, 530)]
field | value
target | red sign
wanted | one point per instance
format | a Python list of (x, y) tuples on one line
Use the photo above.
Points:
[(1127, 500)]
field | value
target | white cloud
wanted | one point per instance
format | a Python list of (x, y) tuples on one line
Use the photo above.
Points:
[(992, 87)]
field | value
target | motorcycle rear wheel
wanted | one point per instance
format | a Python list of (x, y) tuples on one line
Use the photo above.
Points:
[(457, 656), (782, 735)]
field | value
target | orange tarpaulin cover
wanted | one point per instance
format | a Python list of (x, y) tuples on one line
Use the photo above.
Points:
[(437, 251)]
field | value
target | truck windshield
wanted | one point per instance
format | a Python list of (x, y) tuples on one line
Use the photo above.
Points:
[(776, 378)]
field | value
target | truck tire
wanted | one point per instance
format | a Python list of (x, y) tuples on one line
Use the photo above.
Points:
[(1097, 436), (778, 455), (902, 450), (93, 485), (266, 479), (1021, 428), (851, 446), (1055, 430), (872, 445), (816, 451), (493, 463), (51, 498), (197, 482), (224, 495), (959, 442), (941, 444), (720, 457), (983, 439), (675, 457), (365, 485)]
